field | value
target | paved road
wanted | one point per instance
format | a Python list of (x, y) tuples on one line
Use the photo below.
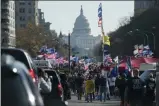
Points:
[(75, 102)]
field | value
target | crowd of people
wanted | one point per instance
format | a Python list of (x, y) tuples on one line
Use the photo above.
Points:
[(94, 85)]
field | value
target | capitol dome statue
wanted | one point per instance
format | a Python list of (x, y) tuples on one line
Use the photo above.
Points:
[(81, 25)]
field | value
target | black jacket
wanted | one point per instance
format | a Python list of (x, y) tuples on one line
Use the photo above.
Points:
[(79, 82), (150, 89), (136, 88), (103, 81)]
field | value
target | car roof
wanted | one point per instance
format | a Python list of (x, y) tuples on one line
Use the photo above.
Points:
[(48, 70), (27, 61), (18, 49)]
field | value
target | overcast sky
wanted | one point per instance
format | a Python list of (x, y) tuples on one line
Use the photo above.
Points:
[(62, 14)]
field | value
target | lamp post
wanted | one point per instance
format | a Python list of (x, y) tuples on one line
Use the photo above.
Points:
[(144, 34), (154, 38), (69, 52), (131, 35)]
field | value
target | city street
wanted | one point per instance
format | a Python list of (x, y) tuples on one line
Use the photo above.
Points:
[(75, 102)]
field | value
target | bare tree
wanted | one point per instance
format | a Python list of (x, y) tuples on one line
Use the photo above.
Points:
[(124, 21)]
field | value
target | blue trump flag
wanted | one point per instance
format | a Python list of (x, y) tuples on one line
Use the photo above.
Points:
[(114, 72), (50, 50)]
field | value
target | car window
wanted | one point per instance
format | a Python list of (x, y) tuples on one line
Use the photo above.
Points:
[(13, 91), (54, 75), (18, 55), (63, 77)]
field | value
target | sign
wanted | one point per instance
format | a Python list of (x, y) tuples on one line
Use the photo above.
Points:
[(42, 63), (146, 66)]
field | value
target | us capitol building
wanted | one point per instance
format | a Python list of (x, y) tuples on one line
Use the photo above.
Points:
[(81, 39)]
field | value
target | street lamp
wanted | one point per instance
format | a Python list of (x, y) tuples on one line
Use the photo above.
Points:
[(153, 27), (69, 52), (130, 33), (154, 38), (144, 34)]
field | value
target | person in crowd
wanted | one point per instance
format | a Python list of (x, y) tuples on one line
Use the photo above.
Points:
[(135, 89), (73, 86), (112, 85), (97, 84), (65, 86), (150, 91), (121, 86), (93, 78), (79, 86), (89, 88), (126, 101), (107, 88), (103, 88), (44, 85)]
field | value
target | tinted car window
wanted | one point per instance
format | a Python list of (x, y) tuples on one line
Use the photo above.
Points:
[(54, 75), (13, 90), (55, 81), (17, 54)]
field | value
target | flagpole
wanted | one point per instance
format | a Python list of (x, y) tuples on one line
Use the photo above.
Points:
[(102, 30)]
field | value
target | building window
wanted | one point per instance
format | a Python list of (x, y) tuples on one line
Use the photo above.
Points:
[(29, 18), (13, 24), (13, 16), (29, 3), (10, 14), (22, 18), (11, 5), (29, 10), (10, 23), (22, 3), (22, 10), (22, 25), (5, 20)]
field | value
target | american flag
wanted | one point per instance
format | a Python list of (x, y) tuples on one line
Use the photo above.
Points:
[(61, 60), (100, 15), (51, 56)]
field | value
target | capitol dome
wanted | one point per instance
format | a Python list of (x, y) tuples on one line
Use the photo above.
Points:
[(81, 24)]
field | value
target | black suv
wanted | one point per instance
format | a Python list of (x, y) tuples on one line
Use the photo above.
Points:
[(57, 89), (18, 88), (23, 57)]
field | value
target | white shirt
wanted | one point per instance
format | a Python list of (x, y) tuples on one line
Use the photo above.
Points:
[(112, 81), (44, 86)]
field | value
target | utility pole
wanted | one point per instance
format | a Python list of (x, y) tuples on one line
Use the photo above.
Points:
[(69, 52)]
